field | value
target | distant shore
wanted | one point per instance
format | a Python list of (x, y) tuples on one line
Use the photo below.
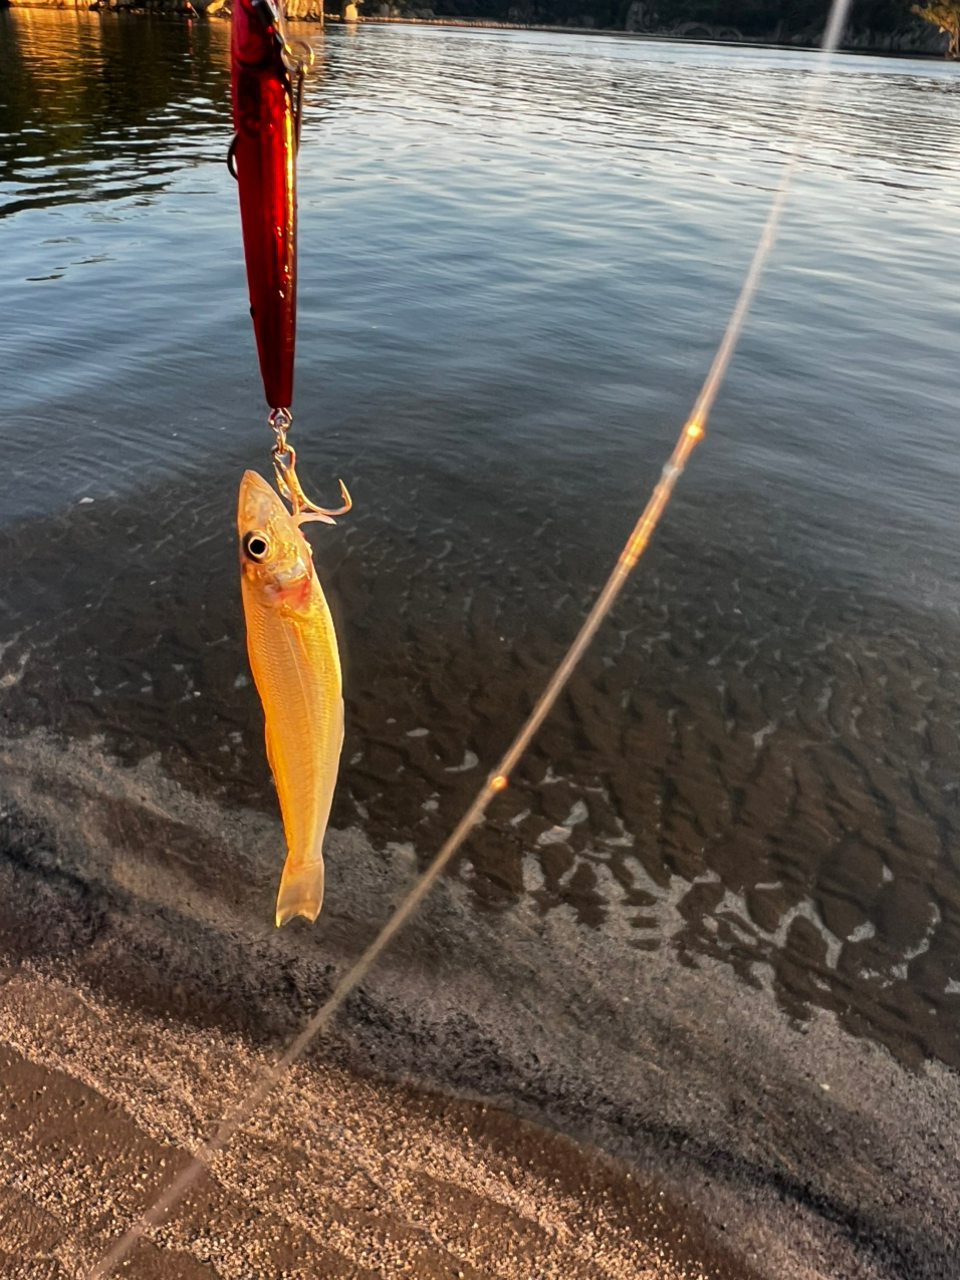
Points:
[(925, 47), (921, 41)]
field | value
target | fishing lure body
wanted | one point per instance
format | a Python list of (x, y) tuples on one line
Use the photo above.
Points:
[(293, 654), (263, 160)]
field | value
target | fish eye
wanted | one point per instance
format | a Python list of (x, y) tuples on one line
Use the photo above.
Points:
[(255, 546)]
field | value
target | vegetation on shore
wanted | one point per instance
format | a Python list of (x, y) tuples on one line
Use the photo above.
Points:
[(946, 18)]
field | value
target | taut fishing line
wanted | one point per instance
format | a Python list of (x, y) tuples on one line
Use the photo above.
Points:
[(690, 435)]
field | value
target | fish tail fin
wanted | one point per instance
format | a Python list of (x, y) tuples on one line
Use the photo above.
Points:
[(301, 891)]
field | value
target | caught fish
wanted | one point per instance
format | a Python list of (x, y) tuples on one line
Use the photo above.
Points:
[(293, 654), (267, 84)]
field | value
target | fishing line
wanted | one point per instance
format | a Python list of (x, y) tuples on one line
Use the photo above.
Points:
[(691, 434)]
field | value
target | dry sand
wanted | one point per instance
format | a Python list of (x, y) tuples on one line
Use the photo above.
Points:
[(342, 1176)]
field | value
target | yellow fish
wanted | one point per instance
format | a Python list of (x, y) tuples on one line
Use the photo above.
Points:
[(293, 654)]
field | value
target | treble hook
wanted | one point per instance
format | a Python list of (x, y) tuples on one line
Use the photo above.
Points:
[(285, 469), (302, 509)]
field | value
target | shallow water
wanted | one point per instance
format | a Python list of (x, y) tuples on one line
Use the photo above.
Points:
[(518, 251)]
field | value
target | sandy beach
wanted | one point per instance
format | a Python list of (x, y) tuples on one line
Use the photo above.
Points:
[(138, 1006), (345, 1177)]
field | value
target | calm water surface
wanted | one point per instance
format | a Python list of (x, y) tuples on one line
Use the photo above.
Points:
[(518, 252)]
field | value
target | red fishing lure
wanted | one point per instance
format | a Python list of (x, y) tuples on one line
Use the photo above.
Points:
[(267, 84)]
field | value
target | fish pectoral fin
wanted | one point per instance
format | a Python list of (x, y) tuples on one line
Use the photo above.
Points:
[(301, 891)]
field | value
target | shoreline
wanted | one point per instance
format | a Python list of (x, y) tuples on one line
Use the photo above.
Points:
[(163, 988), (652, 37)]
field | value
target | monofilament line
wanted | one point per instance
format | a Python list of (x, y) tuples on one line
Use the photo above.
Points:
[(690, 435)]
